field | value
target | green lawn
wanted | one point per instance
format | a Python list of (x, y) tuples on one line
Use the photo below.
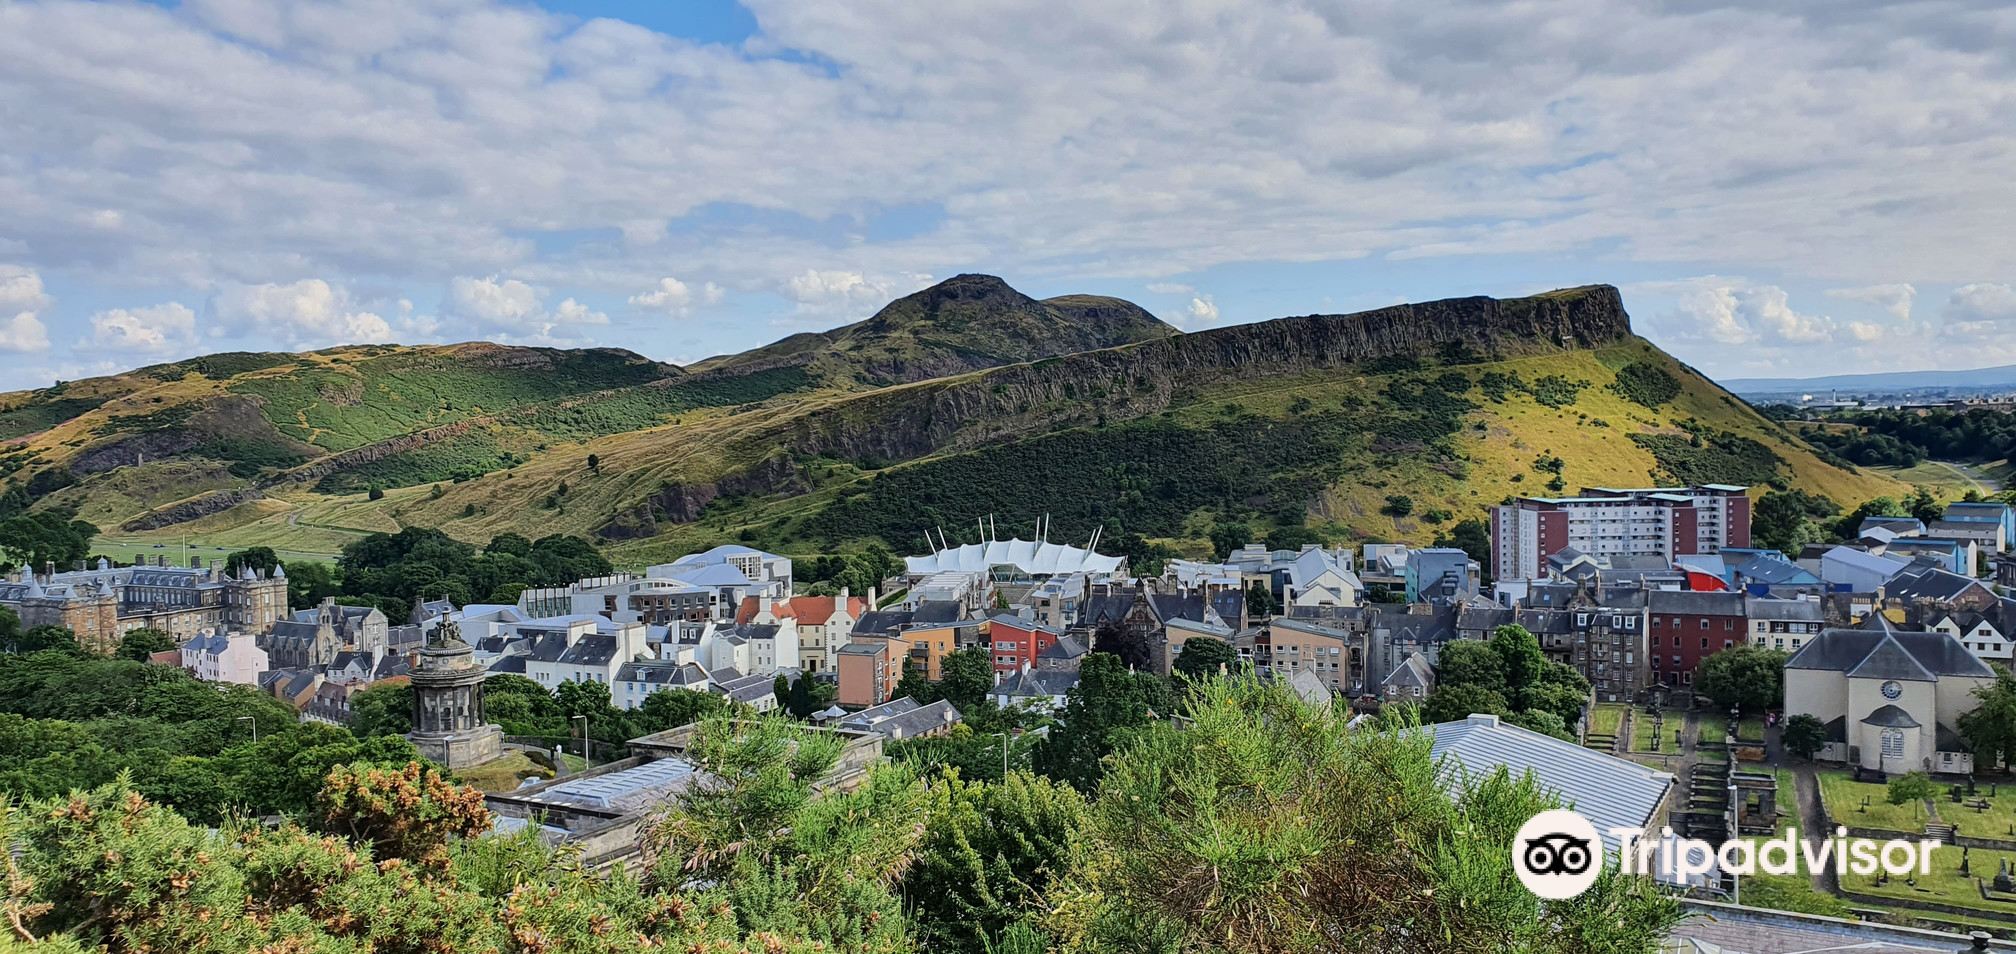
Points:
[(1843, 798), (1996, 822), (1710, 730), (1606, 719), (1642, 739), (1793, 892), (1944, 885)]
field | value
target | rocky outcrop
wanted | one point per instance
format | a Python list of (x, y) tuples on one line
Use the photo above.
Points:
[(1131, 381), (343, 460), (902, 423), (194, 508), (683, 503)]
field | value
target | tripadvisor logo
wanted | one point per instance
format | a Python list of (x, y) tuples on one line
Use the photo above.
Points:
[(1558, 855)]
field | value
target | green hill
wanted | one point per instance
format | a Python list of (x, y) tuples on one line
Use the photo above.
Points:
[(1387, 424)]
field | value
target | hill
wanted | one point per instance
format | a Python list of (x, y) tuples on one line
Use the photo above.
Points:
[(965, 323), (1385, 424)]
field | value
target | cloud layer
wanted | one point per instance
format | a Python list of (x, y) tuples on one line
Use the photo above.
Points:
[(305, 166)]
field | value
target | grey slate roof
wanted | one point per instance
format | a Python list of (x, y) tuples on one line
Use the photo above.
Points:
[(1036, 683), (1066, 647), (590, 650), (1696, 603), (937, 611), (1847, 650), (1413, 671), (1609, 791), (514, 665), (1797, 611), (1927, 583), (877, 622), (1890, 717), (918, 721)]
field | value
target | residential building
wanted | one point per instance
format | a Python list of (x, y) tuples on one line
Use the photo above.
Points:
[(1660, 521), (1598, 631), (1687, 627), (1999, 515), (1320, 577), (1412, 680), (626, 597), (2005, 571), (1287, 645), (224, 657), (767, 574), (1442, 575), (1055, 601), (1783, 625), (1990, 636), (823, 623), (1039, 689), (868, 673), (1889, 699), (1921, 586), (1847, 569), (579, 649), (1064, 655), (1016, 642), (106, 602), (904, 719)]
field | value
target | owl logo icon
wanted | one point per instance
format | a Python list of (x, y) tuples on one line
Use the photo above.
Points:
[(1557, 854)]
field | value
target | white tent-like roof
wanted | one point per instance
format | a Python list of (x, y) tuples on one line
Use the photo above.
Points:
[(1034, 557)]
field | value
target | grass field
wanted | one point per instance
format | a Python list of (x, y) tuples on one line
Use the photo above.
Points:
[(503, 774), (1712, 729), (1606, 718), (1949, 481), (1793, 892), (1996, 822), (1643, 738), (1843, 797)]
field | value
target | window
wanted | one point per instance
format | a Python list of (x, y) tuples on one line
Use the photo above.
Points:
[(1704, 623), (1893, 743)]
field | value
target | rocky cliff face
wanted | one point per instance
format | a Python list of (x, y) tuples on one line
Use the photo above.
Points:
[(1008, 403)]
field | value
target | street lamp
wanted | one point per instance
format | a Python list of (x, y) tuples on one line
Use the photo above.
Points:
[(586, 760), (255, 727)]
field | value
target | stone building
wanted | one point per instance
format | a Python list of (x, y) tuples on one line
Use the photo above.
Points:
[(106, 602), (312, 638), (448, 722)]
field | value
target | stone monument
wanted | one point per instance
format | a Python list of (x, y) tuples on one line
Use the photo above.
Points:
[(448, 724)]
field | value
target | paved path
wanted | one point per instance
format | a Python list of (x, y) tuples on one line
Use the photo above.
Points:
[(1813, 822)]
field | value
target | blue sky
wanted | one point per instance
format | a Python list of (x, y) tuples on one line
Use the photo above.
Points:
[(1775, 192)]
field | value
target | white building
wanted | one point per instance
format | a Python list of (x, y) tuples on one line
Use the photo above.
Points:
[(1889, 699), (579, 649), (216, 657), (1320, 577), (1607, 521)]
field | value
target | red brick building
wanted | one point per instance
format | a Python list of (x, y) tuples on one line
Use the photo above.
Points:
[(1017, 642), (1685, 627)]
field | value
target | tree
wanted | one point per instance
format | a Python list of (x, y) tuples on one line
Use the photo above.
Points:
[(1229, 536), (383, 709), (1459, 702), (914, 685), (1129, 647), (1804, 735), (1260, 602), (138, 644), (990, 852), (1910, 788), (1470, 662), (1299, 832), (1849, 526), (375, 493), (1108, 703), (261, 560), (1787, 520), (309, 582), (1520, 651), (594, 464), (966, 678), (10, 628), (672, 708), (1990, 729), (48, 639), (1204, 656), (1397, 505), (1924, 506), (412, 813), (1750, 678), (1543, 722)]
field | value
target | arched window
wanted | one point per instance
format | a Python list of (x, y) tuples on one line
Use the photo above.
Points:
[(1893, 743)]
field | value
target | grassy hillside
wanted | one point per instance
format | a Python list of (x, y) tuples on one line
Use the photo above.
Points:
[(1385, 425)]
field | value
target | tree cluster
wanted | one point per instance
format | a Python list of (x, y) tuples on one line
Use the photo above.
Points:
[(1507, 676)]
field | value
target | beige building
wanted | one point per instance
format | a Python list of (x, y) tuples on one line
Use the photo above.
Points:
[(1890, 700)]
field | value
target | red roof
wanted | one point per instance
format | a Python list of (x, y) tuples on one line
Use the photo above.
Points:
[(812, 609)]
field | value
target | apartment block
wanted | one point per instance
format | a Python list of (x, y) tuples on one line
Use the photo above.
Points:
[(1607, 522)]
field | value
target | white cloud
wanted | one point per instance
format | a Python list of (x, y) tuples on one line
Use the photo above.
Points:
[(310, 313), (1981, 301), (1865, 331), (152, 329), (1894, 298), (1734, 311), (21, 297), (1170, 288), (1202, 312), (674, 297), (517, 311), (826, 292)]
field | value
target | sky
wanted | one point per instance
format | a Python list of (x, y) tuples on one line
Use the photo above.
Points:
[(1818, 187)]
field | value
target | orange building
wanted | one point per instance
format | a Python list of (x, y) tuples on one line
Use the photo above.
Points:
[(869, 669)]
